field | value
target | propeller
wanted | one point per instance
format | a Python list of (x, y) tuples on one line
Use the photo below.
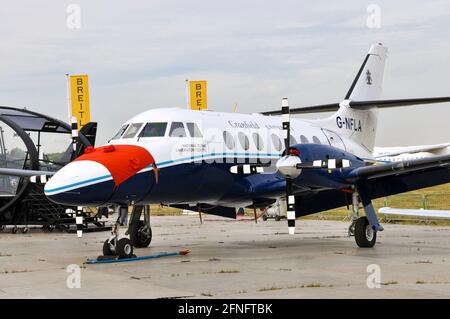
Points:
[(79, 211), (290, 165), (290, 198)]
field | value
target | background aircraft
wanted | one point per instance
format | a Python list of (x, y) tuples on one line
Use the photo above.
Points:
[(401, 153)]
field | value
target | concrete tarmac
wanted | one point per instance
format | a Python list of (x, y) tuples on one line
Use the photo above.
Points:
[(233, 259)]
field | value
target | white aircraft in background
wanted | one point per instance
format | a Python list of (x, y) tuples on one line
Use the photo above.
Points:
[(216, 162), (402, 153)]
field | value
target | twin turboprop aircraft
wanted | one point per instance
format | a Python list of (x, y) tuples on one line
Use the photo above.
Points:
[(216, 162)]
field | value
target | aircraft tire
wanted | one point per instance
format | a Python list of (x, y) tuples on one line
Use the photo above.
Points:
[(107, 249), (124, 248), (365, 237), (138, 238)]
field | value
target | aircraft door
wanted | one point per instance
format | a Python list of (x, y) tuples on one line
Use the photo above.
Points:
[(334, 139)]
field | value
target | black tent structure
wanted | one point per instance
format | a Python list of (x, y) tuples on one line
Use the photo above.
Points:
[(34, 141)]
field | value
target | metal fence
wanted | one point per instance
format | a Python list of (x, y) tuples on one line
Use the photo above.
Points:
[(437, 201)]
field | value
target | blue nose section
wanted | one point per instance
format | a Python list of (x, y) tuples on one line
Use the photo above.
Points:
[(91, 195)]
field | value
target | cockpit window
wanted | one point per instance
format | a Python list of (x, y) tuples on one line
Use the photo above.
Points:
[(154, 130), (120, 132), (132, 130), (193, 129), (177, 130)]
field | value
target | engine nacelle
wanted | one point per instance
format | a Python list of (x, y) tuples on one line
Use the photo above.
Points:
[(322, 165)]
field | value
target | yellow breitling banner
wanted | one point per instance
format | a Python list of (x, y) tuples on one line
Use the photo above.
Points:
[(198, 95), (79, 99)]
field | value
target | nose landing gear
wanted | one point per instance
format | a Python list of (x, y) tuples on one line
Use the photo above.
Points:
[(139, 231)]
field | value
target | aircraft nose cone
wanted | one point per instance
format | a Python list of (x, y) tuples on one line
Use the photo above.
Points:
[(80, 183)]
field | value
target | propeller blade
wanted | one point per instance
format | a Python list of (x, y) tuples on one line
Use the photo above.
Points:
[(246, 169), (290, 201), (285, 117), (74, 135), (329, 164), (39, 179), (79, 221)]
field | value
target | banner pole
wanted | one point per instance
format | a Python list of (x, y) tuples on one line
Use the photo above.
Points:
[(69, 102), (187, 94)]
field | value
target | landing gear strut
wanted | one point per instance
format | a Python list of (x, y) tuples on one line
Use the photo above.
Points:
[(364, 228), (140, 230), (355, 214), (113, 246)]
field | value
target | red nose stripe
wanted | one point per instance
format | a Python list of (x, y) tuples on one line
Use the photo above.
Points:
[(122, 161)]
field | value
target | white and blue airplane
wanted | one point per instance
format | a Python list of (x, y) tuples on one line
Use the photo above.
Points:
[(216, 162)]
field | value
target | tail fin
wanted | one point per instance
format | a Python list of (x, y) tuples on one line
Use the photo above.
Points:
[(356, 124), (368, 83)]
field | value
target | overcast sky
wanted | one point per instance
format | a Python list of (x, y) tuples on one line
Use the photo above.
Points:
[(139, 53)]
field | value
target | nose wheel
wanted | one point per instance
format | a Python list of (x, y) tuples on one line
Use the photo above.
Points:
[(114, 247), (139, 231)]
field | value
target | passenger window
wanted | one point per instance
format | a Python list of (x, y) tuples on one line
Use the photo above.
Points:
[(258, 141), (303, 139), (177, 130), (292, 140), (154, 130), (120, 132), (229, 140), (132, 130), (316, 140), (276, 142), (243, 140), (193, 129)]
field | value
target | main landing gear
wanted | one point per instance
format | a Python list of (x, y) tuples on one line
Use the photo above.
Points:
[(363, 228), (139, 231)]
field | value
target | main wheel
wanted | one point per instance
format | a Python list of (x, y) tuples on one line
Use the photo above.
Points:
[(124, 248), (140, 234), (264, 217), (277, 218), (2, 227), (107, 249), (365, 236), (14, 230)]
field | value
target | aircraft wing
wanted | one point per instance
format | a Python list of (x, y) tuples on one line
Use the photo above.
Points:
[(399, 168), (381, 180), (383, 152), (24, 172)]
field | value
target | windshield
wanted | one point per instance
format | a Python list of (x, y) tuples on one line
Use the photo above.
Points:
[(132, 130), (154, 130), (120, 132)]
